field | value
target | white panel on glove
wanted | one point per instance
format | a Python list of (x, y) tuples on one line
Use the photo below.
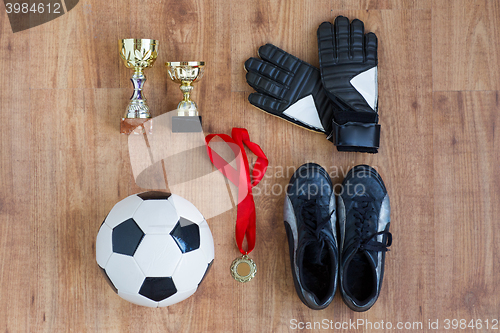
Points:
[(366, 84), (304, 110)]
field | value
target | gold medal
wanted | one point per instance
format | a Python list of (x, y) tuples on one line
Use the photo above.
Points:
[(243, 269)]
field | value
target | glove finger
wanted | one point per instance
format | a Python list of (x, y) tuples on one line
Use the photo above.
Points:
[(268, 70), (357, 40), (278, 57), (264, 85), (371, 47), (266, 103), (326, 45), (342, 38)]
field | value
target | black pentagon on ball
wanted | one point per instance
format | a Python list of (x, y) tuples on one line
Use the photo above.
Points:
[(108, 280), (158, 288), (126, 237), (154, 195), (187, 235)]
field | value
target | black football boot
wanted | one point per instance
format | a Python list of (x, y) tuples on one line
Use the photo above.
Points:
[(364, 219), (310, 223)]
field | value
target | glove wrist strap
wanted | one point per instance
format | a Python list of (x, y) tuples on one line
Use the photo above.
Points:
[(355, 136)]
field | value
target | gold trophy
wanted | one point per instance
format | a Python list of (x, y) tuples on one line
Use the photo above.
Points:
[(186, 73), (137, 54)]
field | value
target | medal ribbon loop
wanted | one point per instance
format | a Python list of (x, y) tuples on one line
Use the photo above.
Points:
[(240, 177)]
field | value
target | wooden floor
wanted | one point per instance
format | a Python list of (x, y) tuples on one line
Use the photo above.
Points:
[(64, 164)]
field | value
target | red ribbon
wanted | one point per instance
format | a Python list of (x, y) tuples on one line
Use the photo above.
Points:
[(245, 221)]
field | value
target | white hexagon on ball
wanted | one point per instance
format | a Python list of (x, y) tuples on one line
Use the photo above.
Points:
[(158, 255), (190, 270), (123, 210), (156, 216), (125, 273)]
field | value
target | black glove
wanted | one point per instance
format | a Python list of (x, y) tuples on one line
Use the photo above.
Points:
[(348, 65), (289, 88)]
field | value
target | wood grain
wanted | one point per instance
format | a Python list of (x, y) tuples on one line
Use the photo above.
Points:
[(15, 178), (465, 45), (466, 184), (381, 4), (63, 163)]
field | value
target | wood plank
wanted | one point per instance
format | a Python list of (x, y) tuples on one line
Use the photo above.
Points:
[(381, 4), (98, 27), (52, 51), (467, 196), (16, 191), (465, 48), (63, 154), (405, 115), (249, 30)]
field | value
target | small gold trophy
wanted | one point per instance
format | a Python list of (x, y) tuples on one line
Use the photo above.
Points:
[(137, 54), (186, 73)]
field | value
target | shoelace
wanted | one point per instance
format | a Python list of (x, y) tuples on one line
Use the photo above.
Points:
[(365, 240), (311, 213)]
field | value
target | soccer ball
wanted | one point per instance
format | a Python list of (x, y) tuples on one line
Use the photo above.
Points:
[(154, 248)]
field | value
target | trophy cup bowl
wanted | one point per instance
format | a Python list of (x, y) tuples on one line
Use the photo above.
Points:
[(137, 54), (186, 73)]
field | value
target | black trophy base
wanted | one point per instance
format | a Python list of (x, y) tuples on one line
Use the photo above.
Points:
[(186, 124)]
